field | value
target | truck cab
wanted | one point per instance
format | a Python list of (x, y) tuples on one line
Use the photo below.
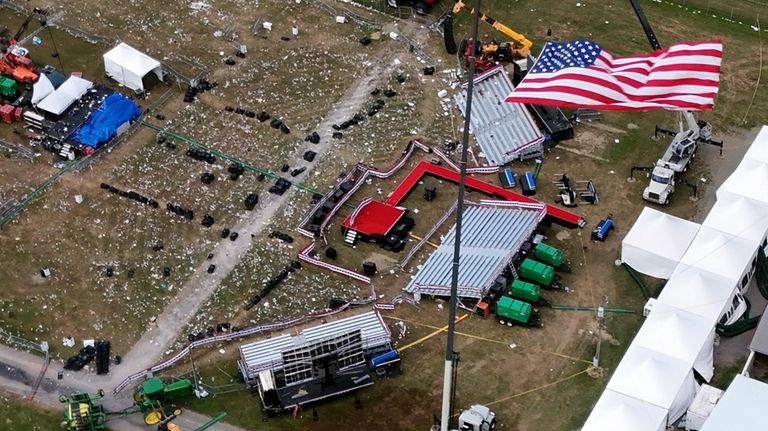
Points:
[(661, 186), (477, 418)]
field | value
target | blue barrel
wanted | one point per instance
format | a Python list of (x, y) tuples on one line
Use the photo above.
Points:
[(383, 358), (528, 183)]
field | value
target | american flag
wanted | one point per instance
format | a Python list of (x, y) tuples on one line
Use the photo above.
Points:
[(580, 74)]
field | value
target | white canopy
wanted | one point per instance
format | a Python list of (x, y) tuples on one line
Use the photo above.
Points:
[(656, 242), (128, 66), (71, 90), (758, 151), (615, 411), (739, 216), (749, 180), (655, 378), (742, 407), (721, 253), (41, 89), (698, 291), (680, 334)]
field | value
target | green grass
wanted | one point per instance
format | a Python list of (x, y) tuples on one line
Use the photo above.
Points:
[(17, 414)]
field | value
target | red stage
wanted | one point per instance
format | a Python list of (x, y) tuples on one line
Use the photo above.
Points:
[(373, 218), (555, 214)]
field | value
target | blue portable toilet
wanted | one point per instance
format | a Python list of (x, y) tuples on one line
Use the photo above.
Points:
[(528, 183), (507, 178), (602, 229)]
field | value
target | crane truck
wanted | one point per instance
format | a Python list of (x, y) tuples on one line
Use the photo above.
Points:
[(15, 61)]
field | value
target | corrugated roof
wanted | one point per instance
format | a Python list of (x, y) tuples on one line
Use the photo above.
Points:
[(490, 236), (267, 354), (501, 129)]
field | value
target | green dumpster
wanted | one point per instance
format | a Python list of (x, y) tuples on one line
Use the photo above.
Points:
[(7, 87)]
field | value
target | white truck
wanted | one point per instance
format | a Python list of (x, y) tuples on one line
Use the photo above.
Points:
[(477, 418), (677, 157)]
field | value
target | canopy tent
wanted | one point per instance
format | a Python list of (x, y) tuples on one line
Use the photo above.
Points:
[(656, 378), (42, 88), (698, 291), (739, 216), (71, 90), (128, 66), (680, 334), (645, 253), (721, 253), (747, 180), (615, 411), (758, 151), (742, 407)]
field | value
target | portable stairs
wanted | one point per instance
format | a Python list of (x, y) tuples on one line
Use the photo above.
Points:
[(350, 238)]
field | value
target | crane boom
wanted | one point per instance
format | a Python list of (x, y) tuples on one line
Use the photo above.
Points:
[(523, 45)]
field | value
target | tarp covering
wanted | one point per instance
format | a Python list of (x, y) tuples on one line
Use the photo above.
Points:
[(42, 88), (71, 90), (115, 110), (656, 243), (687, 336), (128, 66), (656, 378), (615, 411), (742, 407)]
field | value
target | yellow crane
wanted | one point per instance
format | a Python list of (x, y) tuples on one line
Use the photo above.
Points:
[(519, 47)]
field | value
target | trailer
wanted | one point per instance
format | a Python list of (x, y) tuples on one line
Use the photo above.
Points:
[(527, 292), (540, 273), (551, 256), (512, 312)]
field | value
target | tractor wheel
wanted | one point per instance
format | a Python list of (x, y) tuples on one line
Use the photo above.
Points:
[(421, 8), (62, 399), (100, 392), (177, 412)]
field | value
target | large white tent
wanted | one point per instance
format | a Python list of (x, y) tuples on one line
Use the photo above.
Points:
[(739, 216), (749, 180), (644, 250), (698, 291), (41, 89), (128, 66), (656, 378), (72, 89), (758, 151), (721, 253), (687, 336), (615, 411)]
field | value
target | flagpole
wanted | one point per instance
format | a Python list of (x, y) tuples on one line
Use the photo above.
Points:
[(448, 383)]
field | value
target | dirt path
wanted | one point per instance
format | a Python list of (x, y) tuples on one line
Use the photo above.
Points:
[(154, 343)]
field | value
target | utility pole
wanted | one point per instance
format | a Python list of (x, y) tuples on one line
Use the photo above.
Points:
[(600, 322)]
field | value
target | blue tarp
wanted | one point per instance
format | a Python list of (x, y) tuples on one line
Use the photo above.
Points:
[(115, 110)]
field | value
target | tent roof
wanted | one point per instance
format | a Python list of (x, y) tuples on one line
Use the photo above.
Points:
[(674, 332), (697, 291), (747, 180), (41, 89), (719, 252), (71, 90), (739, 216), (758, 151), (742, 407), (642, 250), (650, 376), (132, 59), (615, 411)]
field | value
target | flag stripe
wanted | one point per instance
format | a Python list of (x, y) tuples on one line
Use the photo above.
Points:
[(580, 74)]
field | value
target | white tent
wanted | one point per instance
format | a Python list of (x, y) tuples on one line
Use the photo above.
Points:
[(742, 407), (41, 89), (749, 180), (655, 378), (644, 250), (698, 291), (71, 90), (739, 216), (721, 253), (128, 66), (615, 411), (680, 334), (758, 151)]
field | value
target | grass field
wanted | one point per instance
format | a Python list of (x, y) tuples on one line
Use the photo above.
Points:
[(17, 414)]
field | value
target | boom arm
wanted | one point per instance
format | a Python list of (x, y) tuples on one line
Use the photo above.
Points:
[(23, 27), (646, 25), (525, 44)]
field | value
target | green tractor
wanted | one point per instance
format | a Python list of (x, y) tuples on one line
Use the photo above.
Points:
[(156, 398), (82, 414)]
